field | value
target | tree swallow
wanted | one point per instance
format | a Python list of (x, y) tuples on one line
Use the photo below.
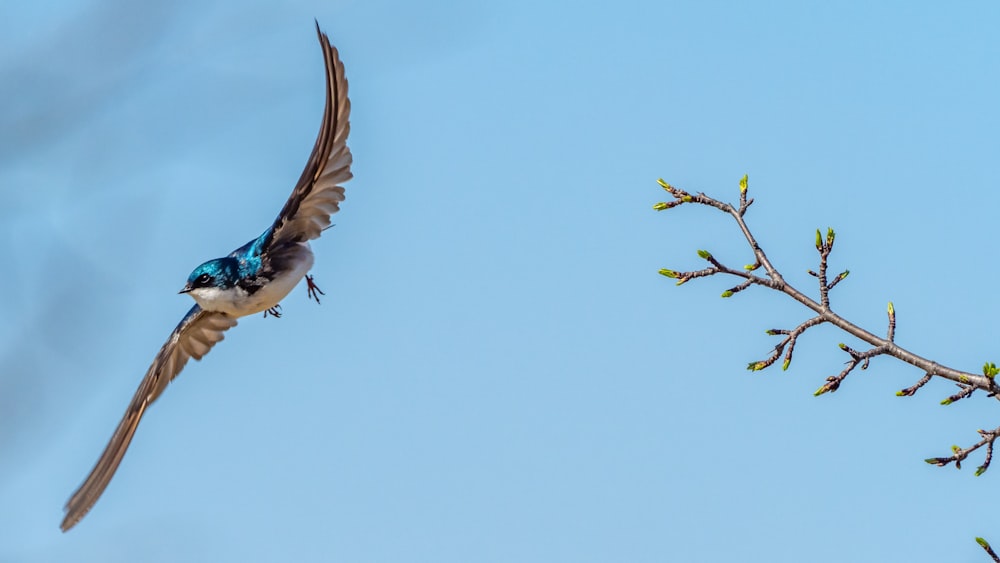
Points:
[(251, 279)]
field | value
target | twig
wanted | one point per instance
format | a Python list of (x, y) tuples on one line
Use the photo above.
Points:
[(989, 550), (959, 454), (909, 391)]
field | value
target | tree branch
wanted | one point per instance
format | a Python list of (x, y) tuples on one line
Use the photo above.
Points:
[(774, 280), (967, 382)]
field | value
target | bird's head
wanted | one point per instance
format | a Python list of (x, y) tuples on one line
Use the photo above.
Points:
[(212, 278)]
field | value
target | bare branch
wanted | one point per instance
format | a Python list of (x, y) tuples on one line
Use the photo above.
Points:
[(967, 382), (774, 280)]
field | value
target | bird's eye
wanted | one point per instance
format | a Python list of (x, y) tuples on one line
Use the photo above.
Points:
[(203, 279)]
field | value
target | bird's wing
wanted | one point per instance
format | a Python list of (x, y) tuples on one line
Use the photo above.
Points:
[(318, 193), (194, 336)]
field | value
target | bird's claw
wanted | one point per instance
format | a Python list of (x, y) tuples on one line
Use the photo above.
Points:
[(313, 291), (275, 311)]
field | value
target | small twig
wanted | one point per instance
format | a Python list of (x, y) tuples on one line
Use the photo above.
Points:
[(736, 289), (824, 247), (909, 391), (833, 382), (744, 204), (989, 550), (838, 279), (791, 337), (891, 333), (959, 454), (967, 391)]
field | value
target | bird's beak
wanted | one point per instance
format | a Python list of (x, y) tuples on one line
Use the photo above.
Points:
[(187, 289)]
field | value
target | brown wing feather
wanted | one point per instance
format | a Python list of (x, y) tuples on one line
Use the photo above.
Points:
[(194, 336), (318, 193)]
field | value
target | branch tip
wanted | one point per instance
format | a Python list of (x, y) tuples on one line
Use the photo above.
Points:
[(989, 550)]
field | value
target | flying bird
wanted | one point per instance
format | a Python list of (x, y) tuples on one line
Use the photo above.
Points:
[(253, 278)]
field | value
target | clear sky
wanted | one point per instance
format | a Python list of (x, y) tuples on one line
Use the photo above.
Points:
[(497, 373)]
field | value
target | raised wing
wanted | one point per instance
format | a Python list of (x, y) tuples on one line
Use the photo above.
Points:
[(194, 336), (318, 193)]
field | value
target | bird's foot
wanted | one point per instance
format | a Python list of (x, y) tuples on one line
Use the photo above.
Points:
[(313, 290), (275, 311)]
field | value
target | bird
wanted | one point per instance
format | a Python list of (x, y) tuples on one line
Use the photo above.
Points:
[(253, 278)]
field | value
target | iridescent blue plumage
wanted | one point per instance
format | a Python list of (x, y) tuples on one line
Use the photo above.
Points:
[(251, 279), (220, 272), (249, 255)]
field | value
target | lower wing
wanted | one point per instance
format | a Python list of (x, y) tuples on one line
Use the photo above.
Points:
[(194, 336)]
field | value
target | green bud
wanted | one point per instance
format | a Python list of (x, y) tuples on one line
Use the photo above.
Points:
[(661, 206), (980, 470), (842, 346), (892, 310), (830, 236), (772, 332), (668, 273), (687, 199), (819, 240), (727, 293), (946, 402), (784, 366), (931, 460), (845, 273), (750, 267), (900, 393), (955, 449), (983, 543), (704, 254), (820, 391), (664, 185), (743, 184)]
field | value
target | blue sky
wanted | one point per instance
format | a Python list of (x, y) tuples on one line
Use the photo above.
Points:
[(497, 372)]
